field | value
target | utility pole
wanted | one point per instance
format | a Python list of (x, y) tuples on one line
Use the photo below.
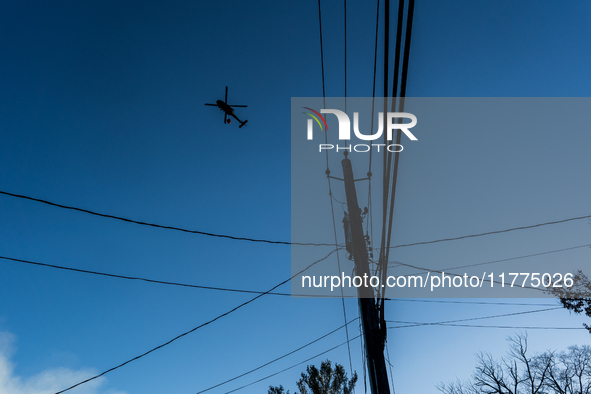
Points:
[(373, 334)]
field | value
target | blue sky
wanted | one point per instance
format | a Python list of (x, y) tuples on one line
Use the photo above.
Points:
[(101, 107)]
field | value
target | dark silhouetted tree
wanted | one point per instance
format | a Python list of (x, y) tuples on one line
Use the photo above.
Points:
[(325, 380), (277, 390), (520, 373), (578, 297)]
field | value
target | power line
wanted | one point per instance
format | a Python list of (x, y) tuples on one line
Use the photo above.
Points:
[(386, 237), (494, 261), (363, 352), (384, 169), (385, 178), (118, 276), (330, 194), (393, 168), (492, 232), (468, 302), (473, 318), (459, 275), (345, 8), (520, 257), (403, 79), (406, 57), (426, 270), (321, 52), (416, 324), (159, 225), (162, 282), (194, 329), (342, 295), (331, 197), (373, 92), (339, 268), (295, 365), (284, 242), (508, 327), (397, 50), (369, 222), (391, 366), (450, 322), (279, 358), (231, 289)]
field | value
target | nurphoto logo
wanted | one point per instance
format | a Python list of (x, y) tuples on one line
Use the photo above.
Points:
[(345, 129)]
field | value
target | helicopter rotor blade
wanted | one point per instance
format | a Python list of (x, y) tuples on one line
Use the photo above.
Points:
[(226, 100), (213, 105)]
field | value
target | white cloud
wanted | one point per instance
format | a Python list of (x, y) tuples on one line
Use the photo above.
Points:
[(44, 382)]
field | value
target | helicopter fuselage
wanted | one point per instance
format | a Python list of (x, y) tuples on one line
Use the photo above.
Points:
[(225, 107)]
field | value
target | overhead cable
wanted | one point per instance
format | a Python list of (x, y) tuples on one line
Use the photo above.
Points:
[(475, 318), (416, 324), (293, 366), (163, 282), (287, 242), (492, 232), (278, 358), (193, 329), (467, 302), (159, 225)]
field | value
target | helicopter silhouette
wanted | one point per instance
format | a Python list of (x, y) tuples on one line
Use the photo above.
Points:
[(228, 110)]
